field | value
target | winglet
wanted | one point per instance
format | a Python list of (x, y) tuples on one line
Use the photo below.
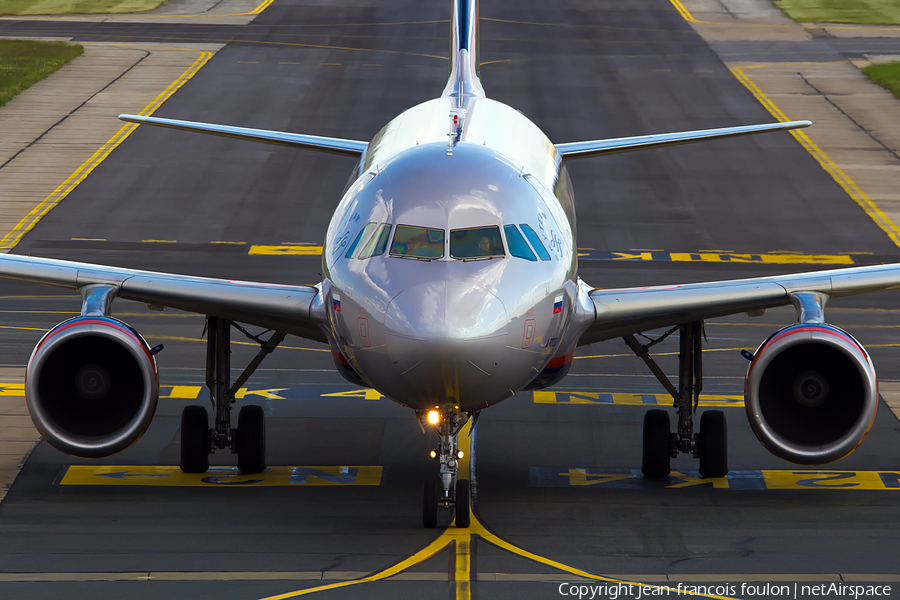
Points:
[(613, 145), (297, 140)]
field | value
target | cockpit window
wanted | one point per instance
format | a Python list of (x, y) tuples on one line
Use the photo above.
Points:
[(363, 235), (518, 247), (376, 244), (535, 241), (475, 243), (418, 242)]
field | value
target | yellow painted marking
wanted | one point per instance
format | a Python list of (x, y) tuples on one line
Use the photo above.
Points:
[(225, 242), (628, 399), (777, 259), (628, 256), (686, 15), (88, 239), (270, 394), (248, 62), (12, 389), (367, 393), (462, 539), (282, 250), (828, 479), (290, 63), (23, 328), (169, 476), (838, 174), (38, 212), (160, 241), (462, 569), (191, 392), (689, 481), (582, 477)]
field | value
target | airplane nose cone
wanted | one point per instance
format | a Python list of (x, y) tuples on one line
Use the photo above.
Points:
[(445, 340)]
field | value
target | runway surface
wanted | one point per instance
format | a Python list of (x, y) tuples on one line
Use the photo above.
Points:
[(554, 472)]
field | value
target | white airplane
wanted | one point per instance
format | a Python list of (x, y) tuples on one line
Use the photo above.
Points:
[(451, 284)]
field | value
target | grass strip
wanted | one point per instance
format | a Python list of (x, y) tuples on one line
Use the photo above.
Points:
[(76, 7), (25, 62), (872, 12), (887, 75)]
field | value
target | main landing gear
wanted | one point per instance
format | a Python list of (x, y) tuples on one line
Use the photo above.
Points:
[(661, 445), (248, 440), (450, 491)]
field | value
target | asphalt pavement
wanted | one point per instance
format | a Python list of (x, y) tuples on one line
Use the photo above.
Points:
[(555, 473)]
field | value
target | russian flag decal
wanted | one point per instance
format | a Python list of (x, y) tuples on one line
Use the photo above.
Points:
[(557, 304), (336, 302)]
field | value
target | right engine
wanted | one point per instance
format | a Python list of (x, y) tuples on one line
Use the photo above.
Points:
[(92, 386), (811, 393)]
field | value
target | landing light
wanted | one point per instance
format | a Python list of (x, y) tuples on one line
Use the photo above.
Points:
[(434, 417), (433, 454), (459, 454)]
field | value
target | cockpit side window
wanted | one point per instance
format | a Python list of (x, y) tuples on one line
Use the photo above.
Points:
[(476, 243), (376, 244), (518, 247), (364, 234), (418, 242), (535, 241)]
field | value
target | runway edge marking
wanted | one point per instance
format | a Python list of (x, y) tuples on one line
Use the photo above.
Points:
[(28, 223)]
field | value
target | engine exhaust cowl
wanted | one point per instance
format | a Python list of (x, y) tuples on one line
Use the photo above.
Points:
[(811, 393), (92, 386)]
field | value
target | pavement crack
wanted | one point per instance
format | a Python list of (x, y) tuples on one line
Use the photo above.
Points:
[(846, 114), (76, 109)]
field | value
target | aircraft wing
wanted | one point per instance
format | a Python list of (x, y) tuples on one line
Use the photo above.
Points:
[(297, 140), (280, 307), (618, 312), (587, 149)]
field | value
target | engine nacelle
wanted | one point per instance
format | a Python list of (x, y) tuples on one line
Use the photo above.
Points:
[(811, 393), (92, 386)]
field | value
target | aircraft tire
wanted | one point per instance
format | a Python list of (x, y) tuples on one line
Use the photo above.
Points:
[(713, 444), (194, 439), (656, 460), (429, 504), (462, 503), (251, 440)]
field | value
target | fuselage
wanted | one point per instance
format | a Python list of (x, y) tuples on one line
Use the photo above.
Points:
[(450, 262)]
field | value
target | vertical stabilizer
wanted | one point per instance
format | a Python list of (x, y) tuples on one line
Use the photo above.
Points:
[(464, 82)]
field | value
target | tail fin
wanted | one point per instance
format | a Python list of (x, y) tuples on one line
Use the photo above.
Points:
[(464, 82)]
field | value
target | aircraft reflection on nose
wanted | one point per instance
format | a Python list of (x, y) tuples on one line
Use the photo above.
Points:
[(447, 341)]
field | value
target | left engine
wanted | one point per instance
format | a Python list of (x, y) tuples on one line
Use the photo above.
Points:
[(92, 386), (811, 393)]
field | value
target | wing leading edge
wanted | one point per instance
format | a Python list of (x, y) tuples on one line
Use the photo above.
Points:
[(296, 140), (618, 312), (587, 149), (286, 308)]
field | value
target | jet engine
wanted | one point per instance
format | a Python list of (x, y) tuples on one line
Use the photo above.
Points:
[(92, 386), (811, 393)]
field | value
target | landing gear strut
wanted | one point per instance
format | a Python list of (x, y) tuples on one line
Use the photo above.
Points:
[(450, 491), (248, 440), (660, 443)]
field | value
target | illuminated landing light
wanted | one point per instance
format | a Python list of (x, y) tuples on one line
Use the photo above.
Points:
[(434, 417), (433, 454), (459, 454)]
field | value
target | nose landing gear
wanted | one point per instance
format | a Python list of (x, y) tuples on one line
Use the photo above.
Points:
[(452, 491)]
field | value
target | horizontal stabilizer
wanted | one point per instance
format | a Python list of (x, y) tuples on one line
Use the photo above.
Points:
[(297, 140), (610, 146)]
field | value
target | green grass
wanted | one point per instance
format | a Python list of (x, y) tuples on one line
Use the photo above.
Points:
[(76, 7), (25, 62), (874, 12), (887, 75)]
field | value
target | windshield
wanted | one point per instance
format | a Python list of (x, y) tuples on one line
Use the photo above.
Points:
[(475, 243), (418, 242)]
